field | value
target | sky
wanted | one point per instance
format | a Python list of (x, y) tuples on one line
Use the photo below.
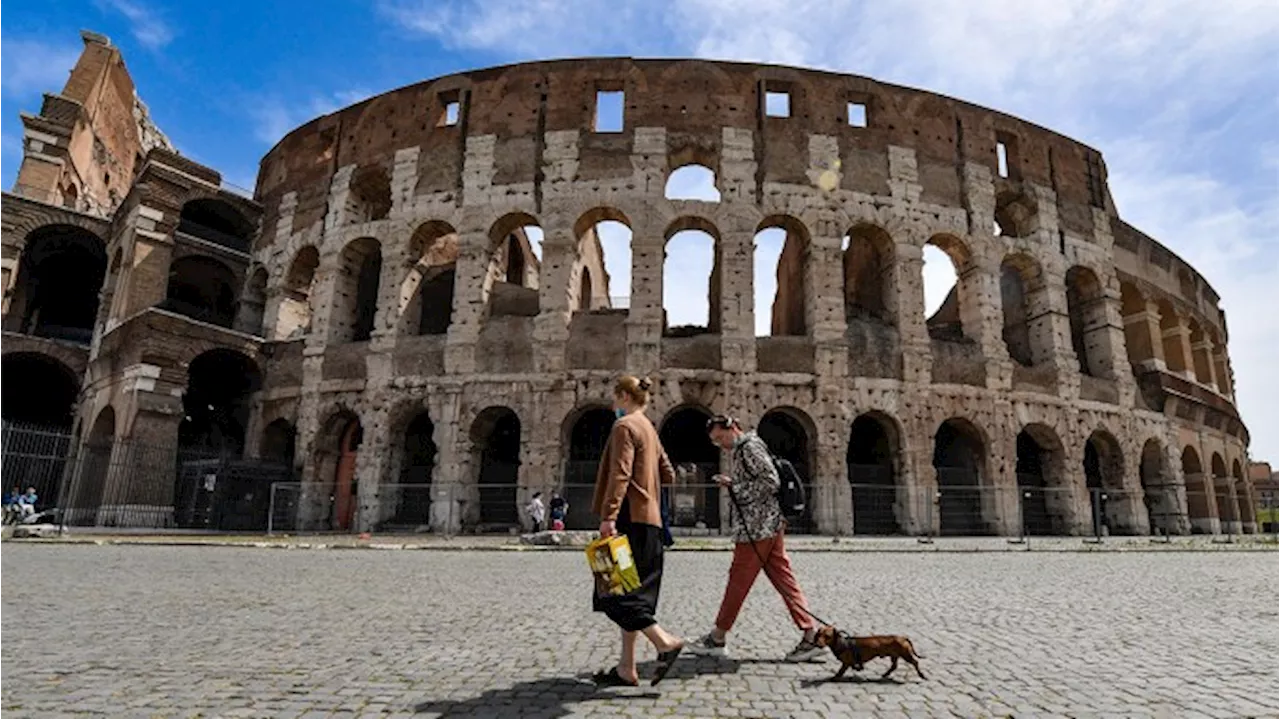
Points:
[(1180, 96)]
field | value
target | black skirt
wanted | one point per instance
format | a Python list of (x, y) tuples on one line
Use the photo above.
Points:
[(637, 610)]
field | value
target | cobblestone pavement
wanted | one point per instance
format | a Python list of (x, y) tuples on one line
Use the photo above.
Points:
[(135, 631)]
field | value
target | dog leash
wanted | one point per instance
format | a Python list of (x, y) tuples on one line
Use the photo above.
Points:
[(763, 564)]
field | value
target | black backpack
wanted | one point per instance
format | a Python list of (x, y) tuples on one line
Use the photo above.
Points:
[(791, 494)]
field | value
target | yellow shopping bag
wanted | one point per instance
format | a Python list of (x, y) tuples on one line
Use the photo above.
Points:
[(611, 563)]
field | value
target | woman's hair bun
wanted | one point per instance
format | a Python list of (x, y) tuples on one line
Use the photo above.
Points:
[(645, 383)]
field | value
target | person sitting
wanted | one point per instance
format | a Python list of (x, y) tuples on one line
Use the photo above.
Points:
[(11, 506), (27, 503)]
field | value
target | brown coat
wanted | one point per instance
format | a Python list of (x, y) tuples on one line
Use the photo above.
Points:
[(634, 467)]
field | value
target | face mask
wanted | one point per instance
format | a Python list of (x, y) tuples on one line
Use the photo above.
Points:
[(619, 413)]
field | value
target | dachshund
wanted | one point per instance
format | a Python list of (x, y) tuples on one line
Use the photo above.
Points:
[(854, 651)]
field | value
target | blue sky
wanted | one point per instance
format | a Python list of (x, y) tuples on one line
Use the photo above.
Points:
[(1180, 96)]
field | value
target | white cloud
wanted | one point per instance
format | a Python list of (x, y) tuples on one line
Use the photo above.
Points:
[(275, 116), (146, 24), (1180, 97), (31, 67)]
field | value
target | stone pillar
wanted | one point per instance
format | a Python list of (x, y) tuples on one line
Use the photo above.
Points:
[(140, 487), (148, 278), (1221, 372), (1142, 333), (1202, 352), (906, 300), (449, 493), (1228, 516), (470, 302), (551, 327), (735, 254), (824, 293), (644, 318), (1177, 348), (981, 317), (1200, 494), (372, 467)]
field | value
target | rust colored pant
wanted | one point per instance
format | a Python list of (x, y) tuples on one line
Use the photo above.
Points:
[(742, 575)]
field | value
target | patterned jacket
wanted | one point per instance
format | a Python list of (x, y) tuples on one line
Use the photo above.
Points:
[(755, 486)]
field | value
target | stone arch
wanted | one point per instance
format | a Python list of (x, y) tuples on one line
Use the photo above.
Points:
[(56, 291), (688, 239), (1159, 490), (1137, 334), (1223, 501), (217, 221), (203, 289), (791, 434), (1047, 493), (957, 318), (425, 295), (335, 487), (1087, 313), (1016, 215), (683, 432), (1028, 328), (511, 280), (215, 402), (1171, 330), (369, 198), (293, 317), (960, 466), (1104, 477), (495, 460), (355, 293), (790, 310), (603, 238), (691, 180), (408, 503), (94, 469), (38, 391), (869, 287), (1204, 520), (873, 459), (1245, 508), (585, 433)]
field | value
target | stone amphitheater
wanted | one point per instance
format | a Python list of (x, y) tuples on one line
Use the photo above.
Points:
[(412, 312)]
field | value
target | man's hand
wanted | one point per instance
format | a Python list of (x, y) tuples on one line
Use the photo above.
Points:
[(723, 480), (608, 528)]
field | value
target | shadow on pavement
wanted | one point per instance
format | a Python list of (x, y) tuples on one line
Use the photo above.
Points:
[(554, 697)]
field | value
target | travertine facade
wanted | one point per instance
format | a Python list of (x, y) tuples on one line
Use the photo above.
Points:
[(399, 327)]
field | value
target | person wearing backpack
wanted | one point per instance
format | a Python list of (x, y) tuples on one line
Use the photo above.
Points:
[(754, 485)]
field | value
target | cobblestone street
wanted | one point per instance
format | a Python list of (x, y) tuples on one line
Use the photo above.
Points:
[(226, 632)]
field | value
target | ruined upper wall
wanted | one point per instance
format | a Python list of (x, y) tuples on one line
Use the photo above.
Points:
[(84, 148)]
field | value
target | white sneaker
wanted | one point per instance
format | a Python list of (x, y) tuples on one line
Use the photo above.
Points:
[(805, 651), (707, 646)]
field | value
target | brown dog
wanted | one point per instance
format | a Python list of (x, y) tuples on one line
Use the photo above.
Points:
[(854, 651)]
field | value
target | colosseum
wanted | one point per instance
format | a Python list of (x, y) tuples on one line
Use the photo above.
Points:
[(410, 323)]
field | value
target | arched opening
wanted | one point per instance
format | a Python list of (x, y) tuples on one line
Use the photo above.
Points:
[(1171, 329), (1199, 500), (370, 195), (1045, 495), (355, 294), (1200, 361), (94, 469), (216, 221), (692, 263), (345, 485), (413, 500), (1104, 478), (329, 501), (203, 289), (510, 286), (1087, 312), (945, 304), (495, 440), (294, 316), (1028, 334), (1227, 518), (959, 459), (279, 442), (692, 182), (868, 275), (38, 390), (426, 292), (216, 402), (588, 436), (1159, 492), (695, 497), (1015, 215), (603, 261), (1137, 333), (254, 302), (871, 454), (1246, 512), (55, 293), (788, 434), (780, 259)]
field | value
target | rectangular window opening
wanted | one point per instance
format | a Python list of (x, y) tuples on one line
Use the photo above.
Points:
[(452, 109), (777, 104), (1002, 159), (857, 114), (609, 106)]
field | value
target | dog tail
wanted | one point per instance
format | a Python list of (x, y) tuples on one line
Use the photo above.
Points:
[(914, 653)]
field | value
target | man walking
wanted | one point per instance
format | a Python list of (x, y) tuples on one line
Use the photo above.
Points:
[(754, 485)]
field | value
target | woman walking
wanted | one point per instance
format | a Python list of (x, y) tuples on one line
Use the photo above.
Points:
[(628, 499)]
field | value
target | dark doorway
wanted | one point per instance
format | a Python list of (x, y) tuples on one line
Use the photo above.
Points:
[(958, 455), (496, 437), (1104, 478), (59, 277), (38, 390), (203, 289), (587, 440), (695, 500), (279, 441), (216, 402), (1032, 485), (870, 459), (414, 507), (786, 438), (437, 303)]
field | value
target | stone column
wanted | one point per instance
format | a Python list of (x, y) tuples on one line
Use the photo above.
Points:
[(1202, 352), (906, 300), (1221, 372), (824, 293), (142, 481), (1177, 348), (981, 317), (1142, 332), (644, 318), (470, 301), (551, 327), (449, 498), (372, 466), (735, 254)]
